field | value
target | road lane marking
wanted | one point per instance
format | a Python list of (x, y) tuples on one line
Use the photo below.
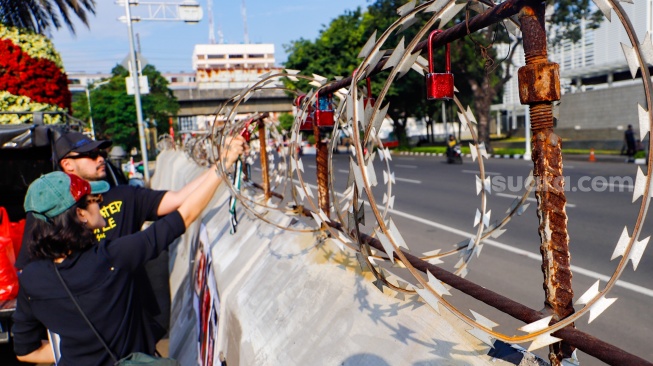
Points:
[(408, 180), (575, 269), (405, 166), (599, 276), (478, 172), (569, 205)]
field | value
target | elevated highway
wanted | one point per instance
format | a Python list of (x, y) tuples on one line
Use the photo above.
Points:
[(197, 102)]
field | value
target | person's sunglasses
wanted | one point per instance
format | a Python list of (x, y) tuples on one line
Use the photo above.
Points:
[(95, 198), (93, 154)]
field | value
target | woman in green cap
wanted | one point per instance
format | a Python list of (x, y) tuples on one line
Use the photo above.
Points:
[(100, 277)]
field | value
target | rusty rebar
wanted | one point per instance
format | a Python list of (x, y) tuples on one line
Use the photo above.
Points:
[(535, 85), (322, 162)]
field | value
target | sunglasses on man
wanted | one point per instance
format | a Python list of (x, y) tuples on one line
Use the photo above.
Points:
[(93, 154)]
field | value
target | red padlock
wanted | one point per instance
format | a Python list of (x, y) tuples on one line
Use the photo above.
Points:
[(324, 111), (307, 123), (439, 86)]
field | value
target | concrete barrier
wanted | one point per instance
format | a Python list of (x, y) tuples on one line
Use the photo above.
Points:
[(289, 298)]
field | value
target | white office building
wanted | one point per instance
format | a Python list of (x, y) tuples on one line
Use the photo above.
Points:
[(598, 90)]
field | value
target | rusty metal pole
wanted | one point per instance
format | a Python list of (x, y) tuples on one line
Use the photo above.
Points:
[(539, 86), (264, 158), (322, 162)]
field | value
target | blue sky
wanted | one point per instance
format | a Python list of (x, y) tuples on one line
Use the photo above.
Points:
[(169, 45)]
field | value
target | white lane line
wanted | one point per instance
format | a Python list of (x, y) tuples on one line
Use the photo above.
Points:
[(397, 179), (614, 187), (569, 205), (405, 166), (627, 285), (408, 180), (599, 276), (478, 172), (312, 166)]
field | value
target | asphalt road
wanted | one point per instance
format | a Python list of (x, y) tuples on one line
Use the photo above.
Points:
[(435, 208)]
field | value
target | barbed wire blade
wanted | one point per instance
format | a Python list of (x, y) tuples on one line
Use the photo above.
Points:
[(407, 65), (407, 23), (605, 7), (406, 8), (397, 54), (420, 64), (644, 122), (300, 191), (481, 334), (396, 235), (451, 12), (543, 341), (374, 60), (369, 45), (599, 307), (631, 58), (522, 209), (622, 244), (387, 246), (537, 325), (637, 252), (640, 184), (647, 49), (591, 293), (436, 6)]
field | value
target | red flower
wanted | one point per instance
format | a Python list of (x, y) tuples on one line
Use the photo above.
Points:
[(39, 79)]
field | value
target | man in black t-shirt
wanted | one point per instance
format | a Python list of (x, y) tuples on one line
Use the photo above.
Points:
[(125, 209)]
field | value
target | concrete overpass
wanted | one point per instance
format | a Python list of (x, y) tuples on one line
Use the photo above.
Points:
[(202, 102)]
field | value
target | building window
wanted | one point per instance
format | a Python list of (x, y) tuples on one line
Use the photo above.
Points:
[(236, 56), (213, 57), (256, 55)]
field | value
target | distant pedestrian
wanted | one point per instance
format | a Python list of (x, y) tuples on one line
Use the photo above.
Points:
[(629, 137)]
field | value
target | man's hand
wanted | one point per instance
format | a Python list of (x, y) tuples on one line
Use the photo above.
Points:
[(232, 149)]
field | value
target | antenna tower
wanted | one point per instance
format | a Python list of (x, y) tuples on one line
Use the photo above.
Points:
[(244, 14), (209, 6)]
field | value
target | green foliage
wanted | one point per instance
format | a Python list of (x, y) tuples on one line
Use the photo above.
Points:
[(479, 75), (566, 15), (114, 111), (285, 121), (41, 16)]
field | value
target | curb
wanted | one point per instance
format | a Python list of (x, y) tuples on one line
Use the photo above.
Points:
[(514, 156), (496, 156)]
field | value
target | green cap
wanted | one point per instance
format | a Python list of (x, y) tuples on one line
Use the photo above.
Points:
[(52, 194)]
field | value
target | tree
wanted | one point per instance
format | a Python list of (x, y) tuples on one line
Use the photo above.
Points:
[(114, 111), (41, 15), (479, 76)]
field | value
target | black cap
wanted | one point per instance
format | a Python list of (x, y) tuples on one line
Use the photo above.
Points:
[(77, 142)]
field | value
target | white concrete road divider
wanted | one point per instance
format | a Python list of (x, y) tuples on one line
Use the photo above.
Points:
[(283, 298)]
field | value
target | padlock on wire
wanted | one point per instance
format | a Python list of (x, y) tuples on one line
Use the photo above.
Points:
[(324, 110), (307, 123), (439, 86)]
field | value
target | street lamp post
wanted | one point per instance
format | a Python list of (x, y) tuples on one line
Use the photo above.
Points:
[(188, 11), (137, 92)]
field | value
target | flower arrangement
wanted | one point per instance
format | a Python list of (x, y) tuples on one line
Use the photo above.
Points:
[(31, 76)]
